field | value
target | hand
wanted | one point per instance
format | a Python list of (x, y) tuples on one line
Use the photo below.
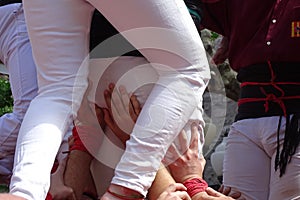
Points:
[(211, 194), (122, 111), (173, 192), (227, 191), (188, 165), (58, 190)]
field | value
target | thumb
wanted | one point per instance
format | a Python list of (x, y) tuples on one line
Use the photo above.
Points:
[(212, 192)]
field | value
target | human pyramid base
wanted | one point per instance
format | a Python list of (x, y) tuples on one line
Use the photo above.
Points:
[(108, 99)]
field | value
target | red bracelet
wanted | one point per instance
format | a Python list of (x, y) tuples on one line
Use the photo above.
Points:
[(124, 197), (49, 196), (78, 144), (195, 185)]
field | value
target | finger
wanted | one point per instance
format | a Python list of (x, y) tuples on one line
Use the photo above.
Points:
[(111, 87), (117, 104), (127, 106), (109, 92), (174, 152), (226, 190), (194, 137), (235, 195), (136, 105), (107, 98), (183, 141), (109, 121), (175, 186), (115, 129), (124, 96), (100, 116), (221, 189), (182, 195), (212, 192)]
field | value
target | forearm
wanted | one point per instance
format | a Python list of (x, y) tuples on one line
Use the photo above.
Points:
[(166, 111), (162, 180)]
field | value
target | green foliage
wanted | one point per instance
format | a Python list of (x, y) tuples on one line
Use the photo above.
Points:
[(3, 188), (6, 100), (214, 35)]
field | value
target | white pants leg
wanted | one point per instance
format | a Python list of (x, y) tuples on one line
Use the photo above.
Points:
[(249, 161), (58, 31), (139, 77), (172, 101), (16, 54), (58, 55)]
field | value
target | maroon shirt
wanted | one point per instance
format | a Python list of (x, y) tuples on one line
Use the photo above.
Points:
[(258, 30)]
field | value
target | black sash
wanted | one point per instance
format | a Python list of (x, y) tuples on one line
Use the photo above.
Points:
[(273, 89)]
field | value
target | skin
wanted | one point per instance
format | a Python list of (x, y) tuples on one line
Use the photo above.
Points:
[(10, 197), (174, 191), (77, 174), (187, 166)]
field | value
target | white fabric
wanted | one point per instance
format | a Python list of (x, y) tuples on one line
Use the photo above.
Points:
[(139, 77), (15, 53), (249, 161), (58, 31)]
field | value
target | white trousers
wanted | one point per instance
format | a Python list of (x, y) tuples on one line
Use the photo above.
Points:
[(17, 56), (250, 157), (15, 53), (139, 77), (58, 31)]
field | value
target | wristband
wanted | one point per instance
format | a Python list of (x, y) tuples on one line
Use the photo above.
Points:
[(49, 196), (195, 185), (78, 144)]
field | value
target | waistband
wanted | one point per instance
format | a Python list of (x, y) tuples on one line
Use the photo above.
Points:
[(269, 89), (272, 89)]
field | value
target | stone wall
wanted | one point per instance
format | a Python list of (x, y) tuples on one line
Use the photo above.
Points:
[(220, 104)]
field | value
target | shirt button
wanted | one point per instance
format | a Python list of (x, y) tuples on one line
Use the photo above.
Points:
[(274, 21), (268, 43)]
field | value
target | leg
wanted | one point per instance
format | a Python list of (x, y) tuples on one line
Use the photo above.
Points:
[(287, 186), (246, 166), (180, 86), (17, 56), (59, 43), (189, 80)]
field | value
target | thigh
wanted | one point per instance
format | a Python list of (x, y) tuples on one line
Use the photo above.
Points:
[(21, 66), (246, 166), (59, 35), (287, 186), (7, 29), (167, 26)]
